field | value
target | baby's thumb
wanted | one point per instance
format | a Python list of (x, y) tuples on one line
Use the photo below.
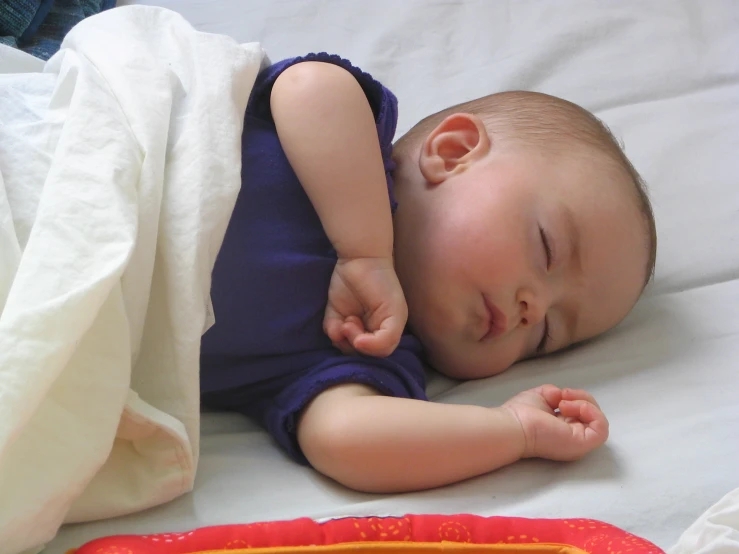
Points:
[(381, 343)]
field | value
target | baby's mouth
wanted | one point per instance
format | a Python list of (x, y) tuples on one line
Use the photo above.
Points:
[(495, 323)]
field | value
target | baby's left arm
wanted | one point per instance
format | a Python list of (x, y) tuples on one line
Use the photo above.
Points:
[(327, 130), (376, 443)]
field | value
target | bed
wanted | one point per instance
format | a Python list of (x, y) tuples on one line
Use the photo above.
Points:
[(665, 77)]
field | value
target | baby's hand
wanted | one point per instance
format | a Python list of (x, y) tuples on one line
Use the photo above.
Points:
[(366, 310), (575, 429)]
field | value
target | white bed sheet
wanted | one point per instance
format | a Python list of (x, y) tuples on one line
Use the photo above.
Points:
[(665, 77)]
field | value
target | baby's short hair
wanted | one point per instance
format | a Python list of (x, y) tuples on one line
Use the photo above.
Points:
[(553, 124)]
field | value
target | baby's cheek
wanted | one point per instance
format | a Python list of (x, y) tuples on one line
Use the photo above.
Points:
[(512, 255), (453, 253)]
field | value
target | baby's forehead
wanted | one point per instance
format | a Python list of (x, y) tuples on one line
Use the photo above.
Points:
[(596, 191), (598, 171)]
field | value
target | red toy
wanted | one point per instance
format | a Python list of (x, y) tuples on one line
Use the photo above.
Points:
[(411, 534)]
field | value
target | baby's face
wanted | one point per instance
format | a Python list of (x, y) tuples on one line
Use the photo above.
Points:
[(518, 256)]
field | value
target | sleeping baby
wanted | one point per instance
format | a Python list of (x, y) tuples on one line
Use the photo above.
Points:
[(498, 230)]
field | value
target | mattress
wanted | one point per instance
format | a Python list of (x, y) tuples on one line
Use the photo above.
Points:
[(665, 77)]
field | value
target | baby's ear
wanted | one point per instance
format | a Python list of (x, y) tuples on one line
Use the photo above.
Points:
[(458, 141)]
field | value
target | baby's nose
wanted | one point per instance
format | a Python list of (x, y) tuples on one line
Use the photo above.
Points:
[(531, 312)]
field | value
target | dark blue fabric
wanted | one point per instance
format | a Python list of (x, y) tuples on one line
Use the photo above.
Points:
[(267, 355)]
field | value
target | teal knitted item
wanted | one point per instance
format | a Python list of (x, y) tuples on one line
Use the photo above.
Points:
[(16, 16), (39, 26)]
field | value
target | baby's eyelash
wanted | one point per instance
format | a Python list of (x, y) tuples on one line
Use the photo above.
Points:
[(542, 346), (547, 246)]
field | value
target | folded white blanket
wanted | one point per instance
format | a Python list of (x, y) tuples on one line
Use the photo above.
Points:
[(714, 532), (119, 167)]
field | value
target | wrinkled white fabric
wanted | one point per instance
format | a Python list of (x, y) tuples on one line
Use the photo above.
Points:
[(714, 532), (119, 167)]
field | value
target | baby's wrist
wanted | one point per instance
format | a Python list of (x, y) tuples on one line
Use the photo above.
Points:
[(524, 446), (369, 247), (373, 261)]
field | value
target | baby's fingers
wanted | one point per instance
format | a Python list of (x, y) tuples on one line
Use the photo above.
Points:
[(333, 327), (589, 415), (551, 394), (352, 329), (345, 347), (381, 342), (579, 394)]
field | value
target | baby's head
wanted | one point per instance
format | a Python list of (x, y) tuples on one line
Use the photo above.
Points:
[(521, 229)]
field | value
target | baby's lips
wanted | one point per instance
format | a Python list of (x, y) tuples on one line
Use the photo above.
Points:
[(497, 322)]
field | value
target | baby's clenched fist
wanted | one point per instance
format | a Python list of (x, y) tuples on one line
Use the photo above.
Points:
[(366, 310), (558, 424)]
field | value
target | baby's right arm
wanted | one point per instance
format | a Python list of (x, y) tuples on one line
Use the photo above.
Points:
[(327, 130), (378, 443)]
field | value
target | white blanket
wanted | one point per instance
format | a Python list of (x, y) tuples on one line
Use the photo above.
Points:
[(119, 167), (714, 532)]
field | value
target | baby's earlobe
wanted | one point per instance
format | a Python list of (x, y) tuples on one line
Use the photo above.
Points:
[(432, 168)]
